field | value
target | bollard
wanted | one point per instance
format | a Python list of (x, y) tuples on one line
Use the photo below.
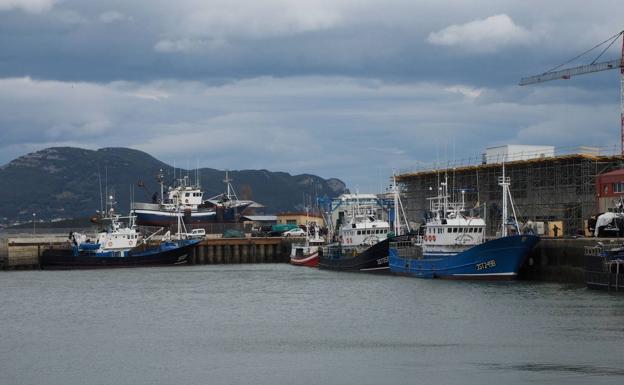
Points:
[(218, 254), (261, 254), (245, 253), (235, 254), (210, 254), (200, 254)]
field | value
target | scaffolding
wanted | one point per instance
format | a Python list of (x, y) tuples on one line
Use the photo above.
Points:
[(559, 188)]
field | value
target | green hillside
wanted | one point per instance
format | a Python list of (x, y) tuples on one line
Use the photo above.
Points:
[(64, 182)]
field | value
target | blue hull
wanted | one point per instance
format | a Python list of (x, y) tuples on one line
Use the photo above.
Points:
[(165, 218), (496, 259), (166, 253)]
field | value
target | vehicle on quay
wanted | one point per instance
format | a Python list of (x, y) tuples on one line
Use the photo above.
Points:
[(452, 243), (296, 232)]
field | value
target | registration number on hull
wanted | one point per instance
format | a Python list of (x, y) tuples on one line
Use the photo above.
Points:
[(486, 265)]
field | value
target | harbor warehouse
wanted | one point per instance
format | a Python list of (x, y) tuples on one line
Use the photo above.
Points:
[(554, 193)]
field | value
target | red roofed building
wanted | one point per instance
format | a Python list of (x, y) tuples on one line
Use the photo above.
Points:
[(609, 189)]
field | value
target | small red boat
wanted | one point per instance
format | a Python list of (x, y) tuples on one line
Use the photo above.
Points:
[(308, 253)]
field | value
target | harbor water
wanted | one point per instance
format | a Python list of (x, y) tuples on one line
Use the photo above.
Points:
[(281, 324)]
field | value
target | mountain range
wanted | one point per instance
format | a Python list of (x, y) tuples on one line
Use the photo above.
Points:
[(68, 182)]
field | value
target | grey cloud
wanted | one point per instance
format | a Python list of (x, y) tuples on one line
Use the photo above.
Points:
[(249, 85), (334, 126), (35, 6)]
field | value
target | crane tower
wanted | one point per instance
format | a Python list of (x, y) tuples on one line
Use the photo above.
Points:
[(557, 73)]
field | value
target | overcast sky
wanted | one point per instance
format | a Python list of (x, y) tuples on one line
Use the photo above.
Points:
[(339, 88)]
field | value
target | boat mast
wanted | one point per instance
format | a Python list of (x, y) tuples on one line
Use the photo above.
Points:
[(161, 181), (504, 183), (445, 192), (395, 192), (227, 181), (398, 209)]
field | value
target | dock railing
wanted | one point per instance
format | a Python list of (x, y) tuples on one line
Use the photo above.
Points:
[(481, 159)]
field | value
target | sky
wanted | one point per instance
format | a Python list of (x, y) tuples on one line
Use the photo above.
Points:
[(337, 88)]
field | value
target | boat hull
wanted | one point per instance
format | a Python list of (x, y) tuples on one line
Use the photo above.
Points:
[(372, 259), (310, 260), (498, 259), (164, 218), (605, 271), (166, 254)]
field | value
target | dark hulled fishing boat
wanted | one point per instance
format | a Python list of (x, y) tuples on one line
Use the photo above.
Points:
[(604, 266), (188, 199), (362, 244)]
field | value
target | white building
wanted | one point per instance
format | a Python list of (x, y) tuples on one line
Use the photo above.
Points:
[(512, 152)]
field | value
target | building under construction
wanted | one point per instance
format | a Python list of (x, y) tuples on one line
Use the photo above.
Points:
[(548, 189)]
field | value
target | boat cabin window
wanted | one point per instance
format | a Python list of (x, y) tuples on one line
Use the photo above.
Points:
[(454, 229)]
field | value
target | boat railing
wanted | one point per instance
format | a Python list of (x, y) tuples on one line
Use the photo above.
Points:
[(478, 159), (601, 249), (410, 247), (594, 251), (145, 206)]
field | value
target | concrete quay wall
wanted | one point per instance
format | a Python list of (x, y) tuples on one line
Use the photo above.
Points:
[(558, 260)]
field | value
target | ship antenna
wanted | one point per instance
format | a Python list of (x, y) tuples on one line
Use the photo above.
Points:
[(106, 180), (161, 181), (101, 196), (230, 189)]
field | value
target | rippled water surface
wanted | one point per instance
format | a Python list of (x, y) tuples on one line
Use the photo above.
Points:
[(280, 324)]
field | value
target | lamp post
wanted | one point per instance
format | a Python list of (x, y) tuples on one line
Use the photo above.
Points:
[(34, 215)]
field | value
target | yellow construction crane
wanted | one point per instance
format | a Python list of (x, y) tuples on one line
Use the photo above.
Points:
[(557, 73)]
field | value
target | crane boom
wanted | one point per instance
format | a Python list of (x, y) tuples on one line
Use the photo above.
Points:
[(590, 68), (568, 73)]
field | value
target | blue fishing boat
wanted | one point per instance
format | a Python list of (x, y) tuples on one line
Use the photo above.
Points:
[(453, 245), (119, 245)]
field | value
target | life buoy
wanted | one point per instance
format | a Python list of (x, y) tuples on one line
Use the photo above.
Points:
[(130, 242), (110, 244)]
